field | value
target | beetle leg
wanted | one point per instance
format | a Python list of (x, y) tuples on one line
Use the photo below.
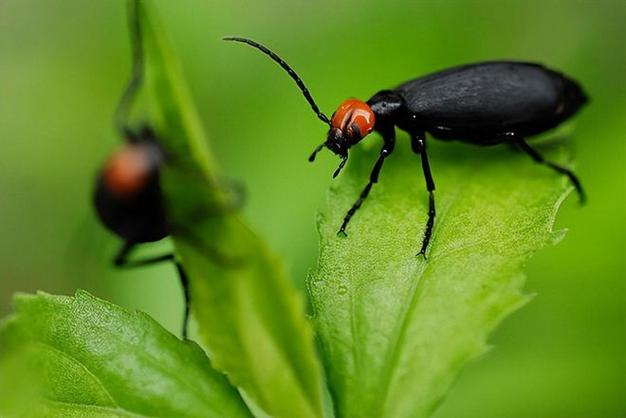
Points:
[(562, 170), (122, 260), (122, 113), (418, 144), (387, 149)]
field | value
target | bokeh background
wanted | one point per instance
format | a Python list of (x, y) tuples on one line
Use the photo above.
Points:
[(63, 64)]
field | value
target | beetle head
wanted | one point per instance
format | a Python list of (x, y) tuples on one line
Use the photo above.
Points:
[(131, 170), (350, 123), (337, 142)]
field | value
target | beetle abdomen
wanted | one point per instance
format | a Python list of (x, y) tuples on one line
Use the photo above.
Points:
[(491, 98)]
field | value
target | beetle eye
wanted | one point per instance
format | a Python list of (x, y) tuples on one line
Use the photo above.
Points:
[(354, 131)]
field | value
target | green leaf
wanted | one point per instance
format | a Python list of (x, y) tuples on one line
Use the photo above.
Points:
[(396, 329), (250, 317), (95, 359)]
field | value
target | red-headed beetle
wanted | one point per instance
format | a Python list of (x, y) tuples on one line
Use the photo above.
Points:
[(486, 103)]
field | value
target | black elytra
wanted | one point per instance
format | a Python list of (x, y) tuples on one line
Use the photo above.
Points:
[(485, 103)]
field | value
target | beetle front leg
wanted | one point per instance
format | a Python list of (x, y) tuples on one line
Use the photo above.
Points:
[(418, 144), (387, 149)]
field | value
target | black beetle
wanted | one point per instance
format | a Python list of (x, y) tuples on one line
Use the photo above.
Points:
[(128, 197), (486, 103)]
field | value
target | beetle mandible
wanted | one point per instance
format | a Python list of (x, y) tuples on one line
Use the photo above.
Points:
[(485, 103)]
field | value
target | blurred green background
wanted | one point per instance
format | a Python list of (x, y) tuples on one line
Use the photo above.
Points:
[(63, 64)]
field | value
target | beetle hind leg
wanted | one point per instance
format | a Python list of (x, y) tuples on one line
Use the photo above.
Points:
[(559, 169), (122, 260)]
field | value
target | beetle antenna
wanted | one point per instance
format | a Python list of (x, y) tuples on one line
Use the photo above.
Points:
[(344, 159), (136, 42), (287, 68), (315, 151)]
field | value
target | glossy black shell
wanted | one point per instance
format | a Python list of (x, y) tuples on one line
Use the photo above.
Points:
[(480, 103)]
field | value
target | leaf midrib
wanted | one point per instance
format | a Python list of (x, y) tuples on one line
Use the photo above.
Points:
[(419, 280), (200, 396), (118, 410)]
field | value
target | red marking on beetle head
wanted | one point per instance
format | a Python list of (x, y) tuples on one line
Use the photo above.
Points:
[(354, 118), (128, 171)]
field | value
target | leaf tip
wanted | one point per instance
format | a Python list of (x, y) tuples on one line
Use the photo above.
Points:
[(558, 235)]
